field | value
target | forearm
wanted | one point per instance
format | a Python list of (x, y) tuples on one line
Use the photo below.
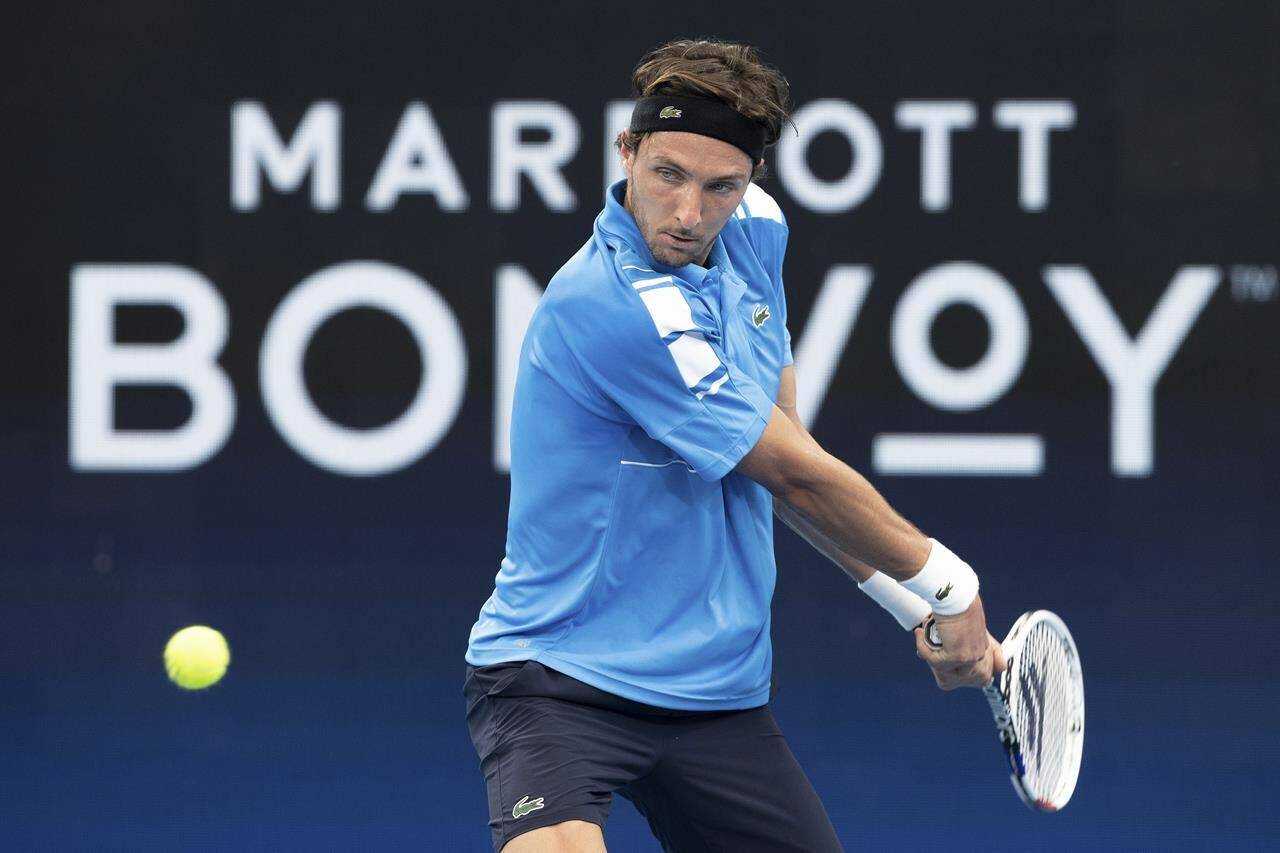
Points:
[(844, 518), (908, 609), (969, 656), (856, 523), (806, 530)]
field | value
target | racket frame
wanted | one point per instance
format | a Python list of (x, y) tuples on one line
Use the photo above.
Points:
[(1000, 697)]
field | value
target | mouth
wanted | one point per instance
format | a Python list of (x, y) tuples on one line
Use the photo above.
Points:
[(680, 242)]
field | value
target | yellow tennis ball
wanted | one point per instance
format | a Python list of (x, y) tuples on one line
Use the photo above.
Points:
[(196, 657)]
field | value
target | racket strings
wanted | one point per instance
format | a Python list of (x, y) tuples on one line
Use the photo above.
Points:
[(1044, 686)]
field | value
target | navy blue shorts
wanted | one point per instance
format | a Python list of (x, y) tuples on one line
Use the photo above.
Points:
[(554, 749)]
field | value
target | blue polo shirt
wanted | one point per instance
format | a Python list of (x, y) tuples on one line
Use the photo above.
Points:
[(637, 560)]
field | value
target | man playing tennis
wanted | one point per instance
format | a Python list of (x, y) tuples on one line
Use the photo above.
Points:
[(626, 645)]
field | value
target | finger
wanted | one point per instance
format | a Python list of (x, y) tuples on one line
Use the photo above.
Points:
[(951, 676), (942, 671), (960, 677), (979, 674), (998, 663), (982, 672)]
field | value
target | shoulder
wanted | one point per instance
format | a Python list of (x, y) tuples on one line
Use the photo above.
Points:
[(759, 207), (763, 226), (611, 300)]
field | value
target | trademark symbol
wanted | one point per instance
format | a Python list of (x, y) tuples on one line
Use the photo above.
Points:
[(1254, 283)]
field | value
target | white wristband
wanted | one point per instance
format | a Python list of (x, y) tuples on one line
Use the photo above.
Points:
[(908, 609), (946, 583)]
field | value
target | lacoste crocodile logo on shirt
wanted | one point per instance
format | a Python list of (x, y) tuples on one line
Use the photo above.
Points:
[(759, 314), (525, 806)]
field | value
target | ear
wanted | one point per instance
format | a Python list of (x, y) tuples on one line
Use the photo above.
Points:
[(628, 156)]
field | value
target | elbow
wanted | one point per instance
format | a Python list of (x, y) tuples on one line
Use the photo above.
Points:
[(789, 463), (799, 481)]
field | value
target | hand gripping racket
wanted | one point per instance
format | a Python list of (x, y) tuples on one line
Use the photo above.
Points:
[(1037, 702)]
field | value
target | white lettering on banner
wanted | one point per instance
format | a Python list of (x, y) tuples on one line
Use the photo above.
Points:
[(958, 455), (617, 115), (516, 295), (846, 193), (434, 408), (980, 384), (541, 162), (1033, 120), (417, 162), (1132, 366), (99, 364), (818, 350), (314, 149), (935, 120)]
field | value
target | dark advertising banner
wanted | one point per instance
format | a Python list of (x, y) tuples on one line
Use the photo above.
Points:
[(268, 275)]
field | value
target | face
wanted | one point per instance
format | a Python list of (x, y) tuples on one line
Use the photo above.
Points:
[(681, 189)]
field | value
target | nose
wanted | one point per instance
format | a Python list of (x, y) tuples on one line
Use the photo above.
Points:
[(689, 209)]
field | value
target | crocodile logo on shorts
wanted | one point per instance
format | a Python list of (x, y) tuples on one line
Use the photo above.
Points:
[(525, 806), (760, 314), (670, 112)]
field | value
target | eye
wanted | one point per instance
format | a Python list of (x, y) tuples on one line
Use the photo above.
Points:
[(667, 174), (723, 188)]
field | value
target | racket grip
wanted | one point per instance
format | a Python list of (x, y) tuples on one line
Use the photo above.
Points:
[(931, 635)]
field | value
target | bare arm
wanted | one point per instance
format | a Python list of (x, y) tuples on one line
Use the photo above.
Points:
[(806, 530), (842, 515), (803, 526), (855, 526)]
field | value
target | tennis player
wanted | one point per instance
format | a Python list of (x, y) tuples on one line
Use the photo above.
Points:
[(626, 645)]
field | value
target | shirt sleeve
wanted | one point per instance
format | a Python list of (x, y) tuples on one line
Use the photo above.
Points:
[(787, 357), (662, 363), (766, 228), (770, 240)]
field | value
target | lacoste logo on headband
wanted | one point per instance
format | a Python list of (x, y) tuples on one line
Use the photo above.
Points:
[(669, 112)]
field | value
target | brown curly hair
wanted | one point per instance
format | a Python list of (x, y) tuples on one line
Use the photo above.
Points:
[(732, 73)]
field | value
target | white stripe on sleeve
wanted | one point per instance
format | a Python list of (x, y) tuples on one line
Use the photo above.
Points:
[(694, 357), (715, 386), (669, 310), (650, 282)]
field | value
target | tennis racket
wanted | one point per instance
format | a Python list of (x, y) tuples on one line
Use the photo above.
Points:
[(1038, 706), (1037, 702)]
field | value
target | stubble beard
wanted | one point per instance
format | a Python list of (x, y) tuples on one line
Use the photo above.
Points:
[(662, 254)]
